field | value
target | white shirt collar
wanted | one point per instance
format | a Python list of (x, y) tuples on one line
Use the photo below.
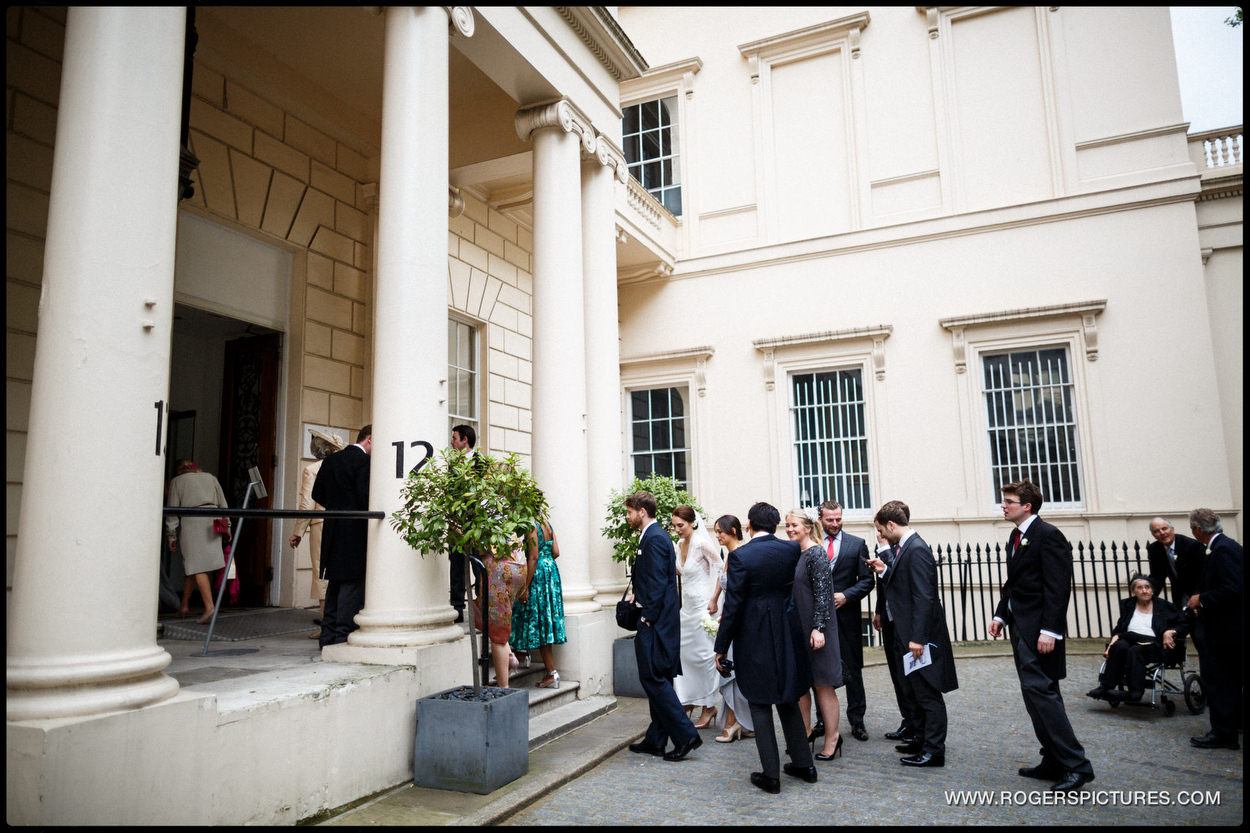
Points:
[(837, 537), (903, 540), (757, 534), (1025, 524)]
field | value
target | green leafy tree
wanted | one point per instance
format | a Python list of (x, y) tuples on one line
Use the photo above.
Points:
[(1235, 20), (668, 496), (471, 504)]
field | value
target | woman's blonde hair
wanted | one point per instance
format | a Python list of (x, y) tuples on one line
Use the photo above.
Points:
[(803, 517)]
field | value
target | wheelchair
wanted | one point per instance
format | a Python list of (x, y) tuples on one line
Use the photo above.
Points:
[(1167, 677)]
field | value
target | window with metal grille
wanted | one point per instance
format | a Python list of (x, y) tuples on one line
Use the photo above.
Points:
[(462, 377), (649, 131), (658, 422), (1032, 422), (830, 438)]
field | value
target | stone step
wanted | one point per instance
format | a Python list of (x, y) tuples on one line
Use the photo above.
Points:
[(543, 700), (559, 721)]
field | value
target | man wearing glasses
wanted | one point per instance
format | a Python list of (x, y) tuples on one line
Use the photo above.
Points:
[(1035, 604)]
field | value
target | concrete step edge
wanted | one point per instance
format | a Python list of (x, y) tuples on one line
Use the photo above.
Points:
[(558, 722)]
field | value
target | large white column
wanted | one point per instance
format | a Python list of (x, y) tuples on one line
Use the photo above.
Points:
[(559, 392), (603, 368), (406, 593), (82, 616)]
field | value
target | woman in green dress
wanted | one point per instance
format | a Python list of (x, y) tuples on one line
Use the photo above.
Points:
[(538, 615)]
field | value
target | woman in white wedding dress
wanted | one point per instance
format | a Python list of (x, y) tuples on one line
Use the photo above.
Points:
[(699, 565)]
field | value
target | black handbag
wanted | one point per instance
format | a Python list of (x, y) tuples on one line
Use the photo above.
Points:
[(627, 613)]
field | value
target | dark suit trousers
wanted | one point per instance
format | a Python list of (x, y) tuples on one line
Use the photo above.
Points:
[(344, 599), (851, 646), (1221, 668), (907, 707), (456, 583), (766, 736), (1044, 704), (1126, 662), (668, 718), (928, 715)]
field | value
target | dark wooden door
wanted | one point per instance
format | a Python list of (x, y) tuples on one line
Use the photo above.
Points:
[(249, 403)]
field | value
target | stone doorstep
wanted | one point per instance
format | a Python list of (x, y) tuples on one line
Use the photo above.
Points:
[(557, 722)]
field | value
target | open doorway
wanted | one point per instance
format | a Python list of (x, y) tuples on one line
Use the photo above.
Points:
[(223, 401)]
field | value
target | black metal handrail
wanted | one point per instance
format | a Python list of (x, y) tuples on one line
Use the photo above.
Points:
[(215, 512)]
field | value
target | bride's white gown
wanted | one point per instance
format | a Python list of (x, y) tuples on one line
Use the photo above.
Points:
[(699, 683)]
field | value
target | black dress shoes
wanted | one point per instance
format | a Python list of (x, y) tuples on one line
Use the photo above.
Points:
[(912, 747), (645, 748), (900, 733), (1072, 782), (682, 750), (1045, 771), (807, 773), (1211, 740), (859, 732), (1097, 693), (768, 785), (818, 731), (924, 759)]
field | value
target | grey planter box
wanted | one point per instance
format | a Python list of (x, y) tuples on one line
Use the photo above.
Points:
[(625, 682), (472, 746)]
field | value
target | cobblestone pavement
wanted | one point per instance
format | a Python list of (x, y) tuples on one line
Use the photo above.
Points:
[(1141, 758)]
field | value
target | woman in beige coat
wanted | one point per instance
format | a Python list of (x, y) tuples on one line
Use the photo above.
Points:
[(194, 537), (322, 446)]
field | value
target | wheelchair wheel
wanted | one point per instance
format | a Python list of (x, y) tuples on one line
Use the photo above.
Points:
[(1169, 706), (1195, 694)]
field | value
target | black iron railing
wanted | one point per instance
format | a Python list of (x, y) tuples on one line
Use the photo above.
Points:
[(971, 576)]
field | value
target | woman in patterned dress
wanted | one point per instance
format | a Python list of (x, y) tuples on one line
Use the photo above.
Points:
[(506, 584), (538, 615)]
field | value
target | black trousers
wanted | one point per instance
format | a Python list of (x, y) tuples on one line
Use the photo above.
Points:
[(1221, 668), (668, 718), (1044, 704), (1126, 663), (766, 736), (907, 706), (344, 599), (851, 646), (456, 582)]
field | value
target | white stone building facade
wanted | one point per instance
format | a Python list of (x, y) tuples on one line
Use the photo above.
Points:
[(416, 217)]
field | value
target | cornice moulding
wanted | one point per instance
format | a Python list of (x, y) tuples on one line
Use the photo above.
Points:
[(605, 39), (879, 331), (1053, 310), (702, 352)]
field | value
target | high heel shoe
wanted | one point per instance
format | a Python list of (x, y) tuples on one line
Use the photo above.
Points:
[(552, 680), (706, 718), (731, 734), (837, 752)]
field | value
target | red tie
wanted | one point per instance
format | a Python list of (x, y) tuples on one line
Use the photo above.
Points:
[(1015, 540), (829, 549)]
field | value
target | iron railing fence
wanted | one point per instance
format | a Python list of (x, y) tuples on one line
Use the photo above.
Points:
[(971, 576)]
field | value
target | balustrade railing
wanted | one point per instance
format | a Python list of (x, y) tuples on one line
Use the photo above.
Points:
[(1219, 148), (971, 576)]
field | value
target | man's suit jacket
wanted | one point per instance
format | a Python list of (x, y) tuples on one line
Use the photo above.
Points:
[(1035, 594), (1187, 573), (759, 620), (1165, 617), (655, 589), (1220, 593), (854, 578), (343, 483), (911, 596)]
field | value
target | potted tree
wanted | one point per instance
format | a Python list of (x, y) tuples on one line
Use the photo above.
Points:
[(668, 496), (470, 738)]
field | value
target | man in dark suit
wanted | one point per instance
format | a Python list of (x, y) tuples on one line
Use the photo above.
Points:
[(913, 606), (464, 440), (343, 483), (759, 621), (1035, 604), (1174, 557), (657, 646), (905, 733), (1218, 603), (852, 580)]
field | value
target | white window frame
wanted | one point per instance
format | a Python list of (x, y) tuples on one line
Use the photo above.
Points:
[(632, 452), (667, 105), (682, 368), (477, 421), (1073, 326), (830, 419), (861, 348)]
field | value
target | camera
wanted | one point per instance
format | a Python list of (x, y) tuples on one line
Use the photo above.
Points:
[(726, 667)]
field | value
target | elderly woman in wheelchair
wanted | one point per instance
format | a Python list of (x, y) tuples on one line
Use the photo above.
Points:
[(1147, 627)]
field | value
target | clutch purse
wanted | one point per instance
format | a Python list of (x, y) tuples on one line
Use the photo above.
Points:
[(221, 526), (627, 613)]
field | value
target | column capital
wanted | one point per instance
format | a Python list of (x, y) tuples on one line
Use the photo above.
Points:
[(609, 156), (460, 19), (563, 114)]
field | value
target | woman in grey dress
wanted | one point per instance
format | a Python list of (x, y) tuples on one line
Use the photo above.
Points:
[(194, 537), (813, 600)]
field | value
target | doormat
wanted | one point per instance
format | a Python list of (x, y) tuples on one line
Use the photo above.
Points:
[(238, 627)]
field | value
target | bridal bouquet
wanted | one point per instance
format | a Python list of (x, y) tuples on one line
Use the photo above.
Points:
[(709, 624)]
